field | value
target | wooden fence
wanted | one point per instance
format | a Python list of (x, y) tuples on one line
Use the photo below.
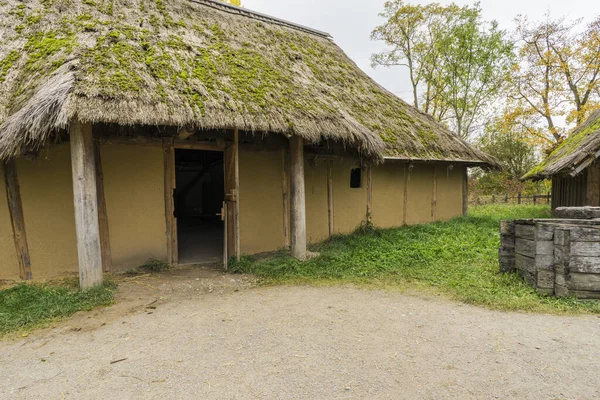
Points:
[(506, 199)]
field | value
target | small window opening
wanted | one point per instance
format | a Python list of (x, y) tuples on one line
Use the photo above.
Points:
[(355, 178)]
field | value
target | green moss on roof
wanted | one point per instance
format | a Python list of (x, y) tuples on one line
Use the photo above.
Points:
[(7, 63), (583, 143), (183, 63)]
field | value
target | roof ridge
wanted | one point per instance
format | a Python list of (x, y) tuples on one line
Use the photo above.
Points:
[(230, 8)]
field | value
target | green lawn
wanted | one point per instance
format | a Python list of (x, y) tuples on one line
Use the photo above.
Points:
[(458, 258), (24, 306)]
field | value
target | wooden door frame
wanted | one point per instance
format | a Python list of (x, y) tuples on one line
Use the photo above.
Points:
[(169, 147)]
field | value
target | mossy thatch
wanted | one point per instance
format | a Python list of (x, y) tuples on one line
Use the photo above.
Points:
[(573, 155), (197, 64)]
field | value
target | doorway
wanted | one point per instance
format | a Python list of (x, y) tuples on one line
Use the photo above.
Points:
[(199, 195)]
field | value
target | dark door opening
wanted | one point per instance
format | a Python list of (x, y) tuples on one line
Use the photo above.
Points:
[(199, 196)]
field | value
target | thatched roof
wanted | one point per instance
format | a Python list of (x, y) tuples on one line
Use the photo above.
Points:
[(573, 155), (197, 64)]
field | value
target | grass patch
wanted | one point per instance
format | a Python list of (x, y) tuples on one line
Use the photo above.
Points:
[(24, 306), (458, 258), (154, 266)]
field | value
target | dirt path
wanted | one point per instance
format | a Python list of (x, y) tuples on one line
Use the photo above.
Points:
[(227, 339)]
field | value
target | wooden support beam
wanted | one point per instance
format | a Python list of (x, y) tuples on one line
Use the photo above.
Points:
[(218, 145), (593, 185), (236, 223), (17, 219), (209, 146), (465, 191), (169, 190), (330, 209), (102, 212), (405, 197), (434, 195), (369, 194), (232, 188), (285, 195), (85, 198), (298, 200)]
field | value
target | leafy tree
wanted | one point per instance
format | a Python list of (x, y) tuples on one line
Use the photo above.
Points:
[(456, 61), (410, 31), (557, 76), (513, 147)]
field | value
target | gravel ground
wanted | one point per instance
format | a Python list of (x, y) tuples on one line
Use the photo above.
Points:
[(232, 340)]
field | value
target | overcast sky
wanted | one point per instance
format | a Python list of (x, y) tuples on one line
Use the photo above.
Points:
[(350, 22)]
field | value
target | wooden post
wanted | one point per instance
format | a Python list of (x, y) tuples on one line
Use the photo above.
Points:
[(298, 200), (17, 219), (593, 185), (405, 197), (285, 188), (169, 186), (236, 221), (506, 198), (548, 198), (519, 198), (330, 212), (434, 194), (102, 212), (465, 188), (85, 197), (369, 194), (232, 197), (534, 199)]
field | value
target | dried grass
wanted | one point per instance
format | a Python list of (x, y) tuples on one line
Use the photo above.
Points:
[(574, 154)]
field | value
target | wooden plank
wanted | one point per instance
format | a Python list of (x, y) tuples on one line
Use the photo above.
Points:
[(232, 187), (562, 237), (85, 198), (405, 195), (586, 282), (285, 188), (525, 247), (524, 263), (102, 212), (582, 294), (507, 228), (544, 247), (209, 146), (525, 231), (17, 219), (589, 249), (465, 189), (225, 246), (434, 195), (585, 264), (507, 242), (169, 189), (545, 231), (230, 195), (369, 194), (330, 209), (545, 279), (298, 200), (593, 185), (544, 261), (585, 234), (236, 214), (218, 145)]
